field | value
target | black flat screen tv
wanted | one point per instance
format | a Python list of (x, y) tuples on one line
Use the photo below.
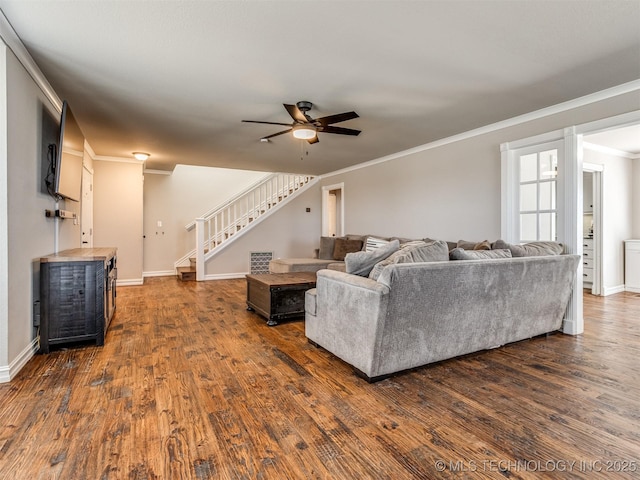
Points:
[(68, 159)]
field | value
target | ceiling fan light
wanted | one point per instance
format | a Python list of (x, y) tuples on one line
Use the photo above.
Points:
[(304, 132)]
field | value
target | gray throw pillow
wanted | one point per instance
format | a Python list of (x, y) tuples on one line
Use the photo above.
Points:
[(412, 252), (462, 254), (343, 246), (327, 245), (531, 249), (361, 263)]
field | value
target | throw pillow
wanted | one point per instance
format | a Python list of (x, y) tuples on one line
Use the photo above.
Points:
[(531, 249), (373, 242), (418, 251), (327, 244), (484, 245), (344, 246), (462, 254), (361, 263)]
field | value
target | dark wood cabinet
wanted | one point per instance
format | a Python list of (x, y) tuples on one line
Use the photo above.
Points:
[(77, 296)]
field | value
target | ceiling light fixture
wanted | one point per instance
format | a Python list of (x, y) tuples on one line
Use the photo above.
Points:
[(142, 156), (304, 132)]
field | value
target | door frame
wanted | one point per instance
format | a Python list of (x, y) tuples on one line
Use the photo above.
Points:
[(597, 171), (326, 189)]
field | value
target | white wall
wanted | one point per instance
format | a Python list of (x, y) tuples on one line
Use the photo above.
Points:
[(617, 219), (117, 207), (26, 233), (176, 200)]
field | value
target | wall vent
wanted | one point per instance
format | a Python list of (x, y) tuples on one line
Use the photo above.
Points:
[(259, 262)]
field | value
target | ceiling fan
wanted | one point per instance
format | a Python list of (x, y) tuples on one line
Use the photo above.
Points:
[(307, 128)]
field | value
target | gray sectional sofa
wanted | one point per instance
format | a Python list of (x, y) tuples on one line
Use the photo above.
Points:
[(421, 312)]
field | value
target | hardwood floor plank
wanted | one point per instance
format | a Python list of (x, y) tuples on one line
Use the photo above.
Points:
[(190, 385)]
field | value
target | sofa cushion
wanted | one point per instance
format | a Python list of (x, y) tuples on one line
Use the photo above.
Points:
[(310, 302), (327, 244), (361, 263), (462, 254), (343, 246), (417, 251), (531, 249)]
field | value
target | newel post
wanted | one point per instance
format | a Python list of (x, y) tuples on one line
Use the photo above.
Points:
[(199, 249)]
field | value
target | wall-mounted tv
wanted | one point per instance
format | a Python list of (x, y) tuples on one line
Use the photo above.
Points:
[(67, 167)]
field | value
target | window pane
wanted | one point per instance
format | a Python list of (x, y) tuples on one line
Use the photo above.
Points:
[(548, 164), (548, 196), (529, 167), (528, 227), (528, 197), (547, 227)]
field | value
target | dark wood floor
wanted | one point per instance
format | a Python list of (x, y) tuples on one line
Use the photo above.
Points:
[(192, 386)]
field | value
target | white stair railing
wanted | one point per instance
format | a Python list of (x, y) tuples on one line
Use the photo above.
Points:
[(221, 225)]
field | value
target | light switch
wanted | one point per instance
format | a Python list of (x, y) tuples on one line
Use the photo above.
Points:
[(159, 223)]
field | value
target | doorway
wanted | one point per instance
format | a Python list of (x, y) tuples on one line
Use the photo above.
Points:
[(333, 210), (86, 214)]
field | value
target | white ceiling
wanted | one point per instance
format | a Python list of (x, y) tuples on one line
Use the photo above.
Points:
[(175, 78), (625, 139)]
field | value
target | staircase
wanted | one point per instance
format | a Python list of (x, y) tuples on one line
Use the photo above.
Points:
[(219, 227)]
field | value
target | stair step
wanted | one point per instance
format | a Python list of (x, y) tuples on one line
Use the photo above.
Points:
[(186, 274)]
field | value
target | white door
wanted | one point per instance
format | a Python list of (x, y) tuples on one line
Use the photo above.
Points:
[(86, 220)]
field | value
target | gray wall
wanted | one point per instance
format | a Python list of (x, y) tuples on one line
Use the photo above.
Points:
[(29, 234), (450, 192), (289, 232), (117, 212)]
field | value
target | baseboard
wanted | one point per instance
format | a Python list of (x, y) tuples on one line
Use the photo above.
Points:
[(611, 290), (129, 282), (632, 289), (225, 276), (10, 371), (160, 273)]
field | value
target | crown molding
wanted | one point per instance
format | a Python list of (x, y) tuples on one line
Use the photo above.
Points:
[(13, 42), (510, 122)]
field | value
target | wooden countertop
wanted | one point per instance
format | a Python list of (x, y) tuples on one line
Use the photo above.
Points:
[(81, 255)]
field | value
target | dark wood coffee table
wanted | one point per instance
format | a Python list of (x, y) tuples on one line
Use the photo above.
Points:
[(278, 296)]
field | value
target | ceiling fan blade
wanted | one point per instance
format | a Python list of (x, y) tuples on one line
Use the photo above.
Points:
[(337, 118), (279, 133), (295, 113), (313, 140), (339, 130), (267, 123)]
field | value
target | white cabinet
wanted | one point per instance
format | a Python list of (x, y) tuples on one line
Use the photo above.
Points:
[(632, 265), (588, 262)]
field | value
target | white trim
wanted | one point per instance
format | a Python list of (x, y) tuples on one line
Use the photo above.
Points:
[(628, 289), (129, 282), (159, 273), (13, 42), (157, 172), (617, 289), (609, 151), (510, 122), (610, 123), (4, 208), (225, 276), (9, 372)]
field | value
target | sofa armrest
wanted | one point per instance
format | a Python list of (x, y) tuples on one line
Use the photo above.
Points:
[(346, 323)]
